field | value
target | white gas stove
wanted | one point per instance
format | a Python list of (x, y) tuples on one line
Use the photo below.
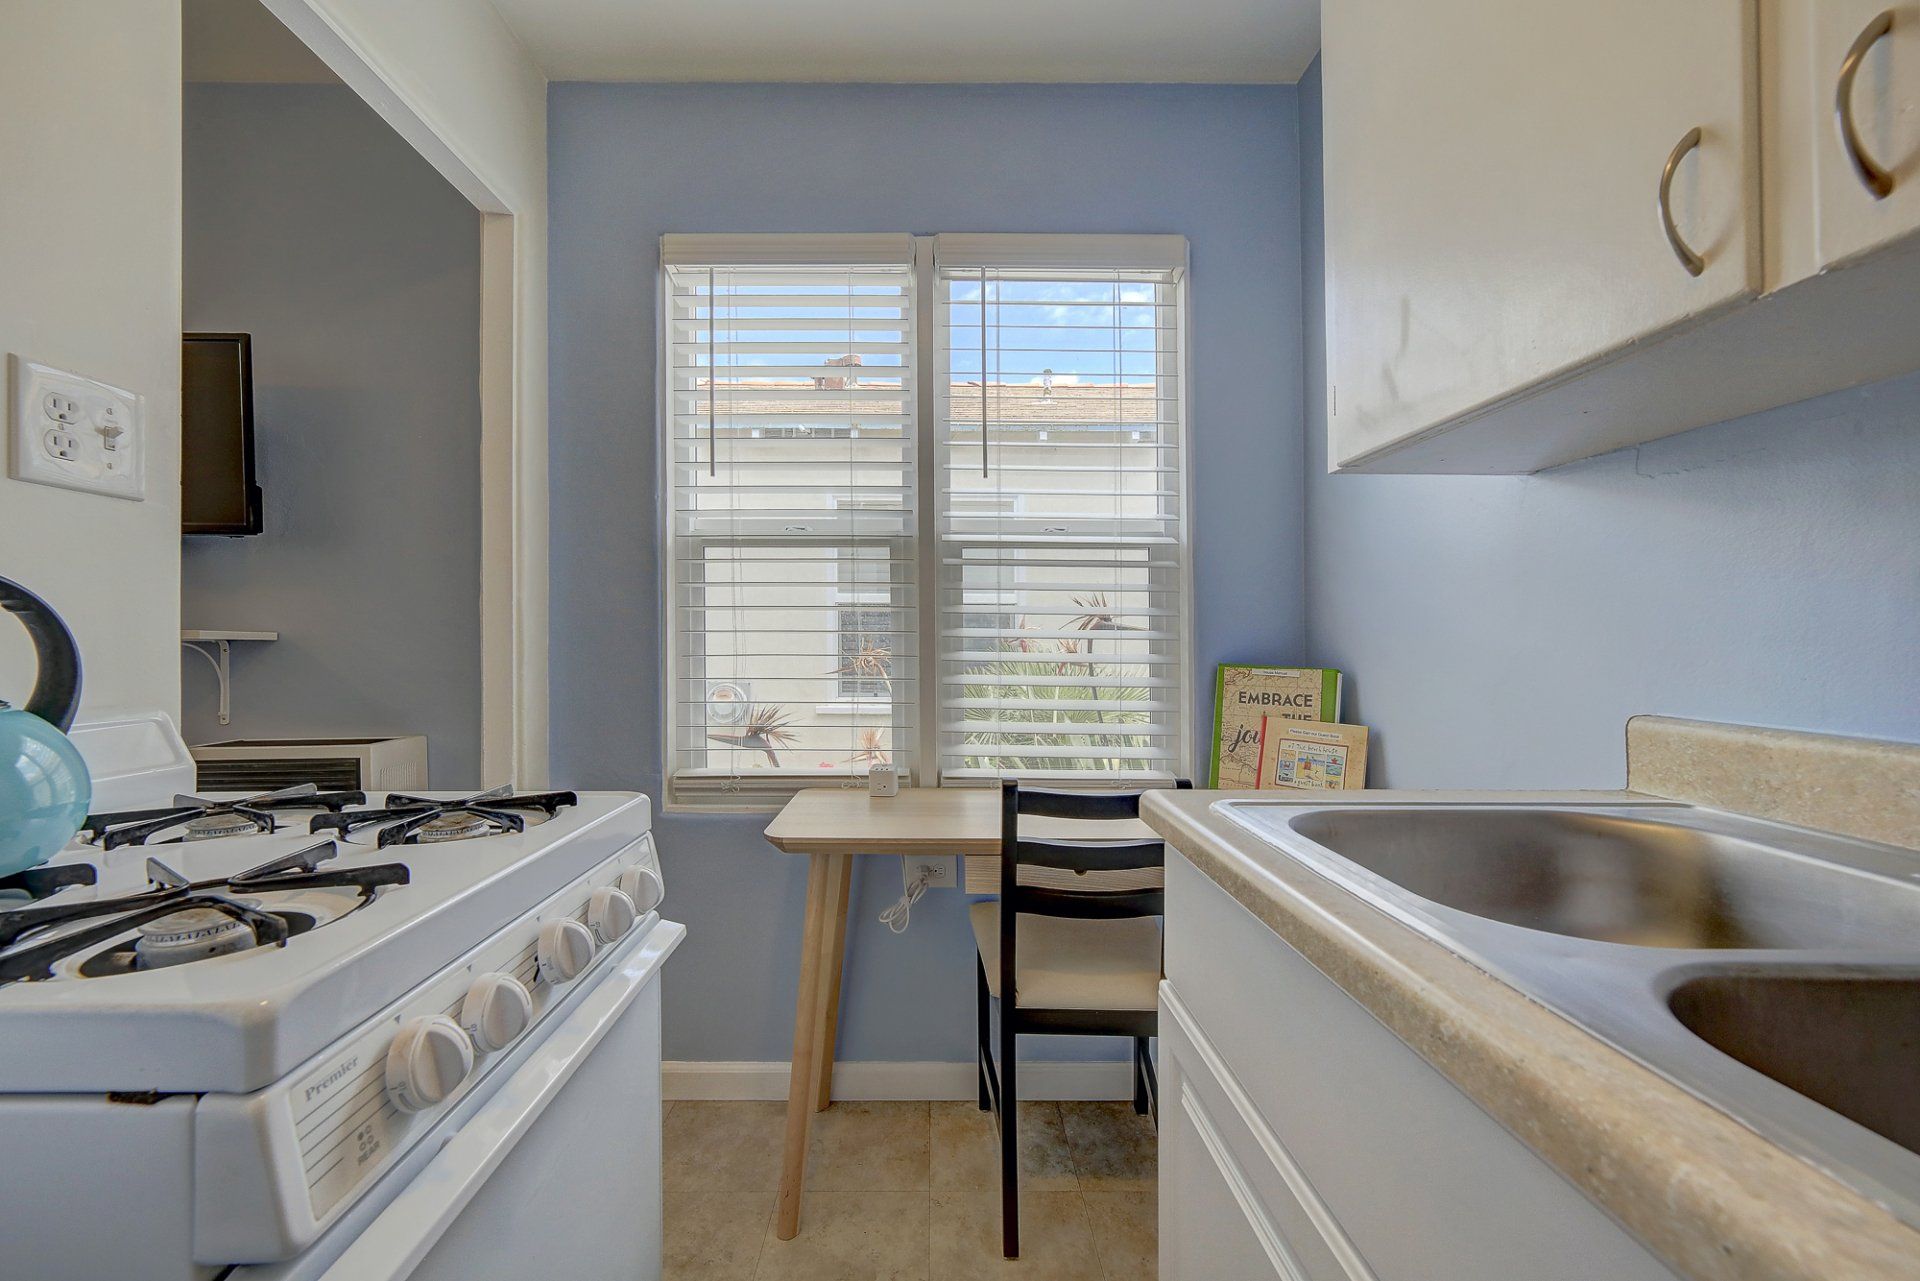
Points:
[(265, 1020)]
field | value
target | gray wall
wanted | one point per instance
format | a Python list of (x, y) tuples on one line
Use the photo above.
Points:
[(311, 225), (629, 162), (1499, 631)]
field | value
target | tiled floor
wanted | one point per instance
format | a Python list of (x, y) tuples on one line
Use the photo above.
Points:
[(910, 1192)]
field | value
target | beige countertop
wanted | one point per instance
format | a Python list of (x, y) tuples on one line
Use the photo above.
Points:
[(1715, 1200)]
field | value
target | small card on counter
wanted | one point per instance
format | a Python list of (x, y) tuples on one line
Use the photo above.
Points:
[(1300, 754)]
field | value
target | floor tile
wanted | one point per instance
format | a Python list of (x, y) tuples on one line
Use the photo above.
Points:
[(966, 1149), (853, 1236), (724, 1146), (1113, 1146), (1056, 1242), (715, 1236), (869, 1147), (901, 1191), (1126, 1234)]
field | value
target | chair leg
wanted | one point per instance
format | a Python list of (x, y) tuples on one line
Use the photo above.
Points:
[(1140, 1075), (1009, 1149), (984, 1011)]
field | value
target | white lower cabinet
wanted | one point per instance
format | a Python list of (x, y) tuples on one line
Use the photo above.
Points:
[(1301, 1139), (1233, 1202)]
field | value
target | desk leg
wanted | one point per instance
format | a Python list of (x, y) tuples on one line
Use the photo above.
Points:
[(827, 886), (833, 955)]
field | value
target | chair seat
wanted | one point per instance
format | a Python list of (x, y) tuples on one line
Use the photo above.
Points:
[(1067, 963)]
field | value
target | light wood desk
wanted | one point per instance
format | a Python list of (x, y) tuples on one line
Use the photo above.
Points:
[(830, 825)]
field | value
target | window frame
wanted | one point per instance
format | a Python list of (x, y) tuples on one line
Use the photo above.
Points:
[(927, 255)]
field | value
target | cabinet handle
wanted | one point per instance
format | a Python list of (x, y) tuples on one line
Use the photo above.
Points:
[(1692, 261), (1874, 178)]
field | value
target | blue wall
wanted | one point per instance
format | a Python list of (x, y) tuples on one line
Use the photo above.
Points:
[(1500, 630), (630, 162), (312, 225)]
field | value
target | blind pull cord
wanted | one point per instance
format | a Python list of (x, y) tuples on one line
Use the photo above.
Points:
[(986, 470), (713, 377)]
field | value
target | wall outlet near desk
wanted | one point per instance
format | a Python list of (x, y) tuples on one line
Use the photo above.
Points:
[(939, 870)]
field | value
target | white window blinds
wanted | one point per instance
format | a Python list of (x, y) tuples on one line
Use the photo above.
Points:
[(790, 412), (1060, 524)]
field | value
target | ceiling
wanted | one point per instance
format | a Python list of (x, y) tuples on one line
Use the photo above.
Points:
[(959, 41), (239, 42)]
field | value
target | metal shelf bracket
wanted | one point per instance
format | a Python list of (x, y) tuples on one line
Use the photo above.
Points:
[(221, 656)]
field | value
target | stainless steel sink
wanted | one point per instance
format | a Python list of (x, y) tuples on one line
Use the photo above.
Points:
[(1849, 1042), (1619, 878), (1772, 971)]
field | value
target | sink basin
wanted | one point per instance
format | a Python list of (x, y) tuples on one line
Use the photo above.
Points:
[(1618, 878), (1850, 1043), (1772, 972)]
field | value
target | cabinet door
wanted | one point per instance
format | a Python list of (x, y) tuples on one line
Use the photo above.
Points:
[(1860, 211), (1205, 1228), (1493, 180)]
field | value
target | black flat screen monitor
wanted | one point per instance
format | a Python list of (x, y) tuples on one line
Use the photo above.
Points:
[(217, 490)]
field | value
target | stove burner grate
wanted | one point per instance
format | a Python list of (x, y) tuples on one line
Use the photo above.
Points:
[(203, 819), (41, 882), (170, 895), (420, 820)]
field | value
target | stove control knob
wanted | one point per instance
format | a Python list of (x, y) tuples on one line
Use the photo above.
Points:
[(497, 1009), (610, 913), (642, 885), (427, 1061), (566, 948)]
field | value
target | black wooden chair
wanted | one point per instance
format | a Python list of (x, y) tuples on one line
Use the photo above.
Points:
[(1065, 961)]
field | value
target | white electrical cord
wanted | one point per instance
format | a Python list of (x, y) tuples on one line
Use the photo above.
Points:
[(897, 917)]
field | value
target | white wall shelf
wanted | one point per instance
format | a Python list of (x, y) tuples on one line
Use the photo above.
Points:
[(221, 640), (224, 634)]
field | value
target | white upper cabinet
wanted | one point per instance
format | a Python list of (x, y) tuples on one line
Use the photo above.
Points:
[(1499, 194), (1866, 63), (1557, 229)]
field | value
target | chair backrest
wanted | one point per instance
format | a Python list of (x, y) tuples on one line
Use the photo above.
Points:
[(1080, 856)]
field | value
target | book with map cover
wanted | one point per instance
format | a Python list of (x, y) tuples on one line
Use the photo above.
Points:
[(1295, 754), (1245, 695)]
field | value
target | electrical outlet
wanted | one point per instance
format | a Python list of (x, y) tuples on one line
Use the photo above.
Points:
[(939, 870), (76, 432)]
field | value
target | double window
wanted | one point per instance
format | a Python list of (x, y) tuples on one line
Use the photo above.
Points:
[(925, 506)]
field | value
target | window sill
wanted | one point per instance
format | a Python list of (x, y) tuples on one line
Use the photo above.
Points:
[(757, 792)]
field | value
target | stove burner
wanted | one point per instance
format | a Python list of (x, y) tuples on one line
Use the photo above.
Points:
[(452, 827), (192, 934), (124, 958), (205, 819), (183, 913), (420, 820), (213, 826)]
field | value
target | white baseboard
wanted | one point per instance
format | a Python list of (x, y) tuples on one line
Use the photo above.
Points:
[(881, 1080)]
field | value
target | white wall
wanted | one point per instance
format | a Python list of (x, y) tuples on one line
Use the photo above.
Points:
[(90, 281)]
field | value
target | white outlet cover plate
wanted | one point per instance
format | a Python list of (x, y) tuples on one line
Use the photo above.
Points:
[(76, 432), (941, 865)]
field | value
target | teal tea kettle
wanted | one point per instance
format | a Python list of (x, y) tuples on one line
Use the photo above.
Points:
[(44, 787)]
